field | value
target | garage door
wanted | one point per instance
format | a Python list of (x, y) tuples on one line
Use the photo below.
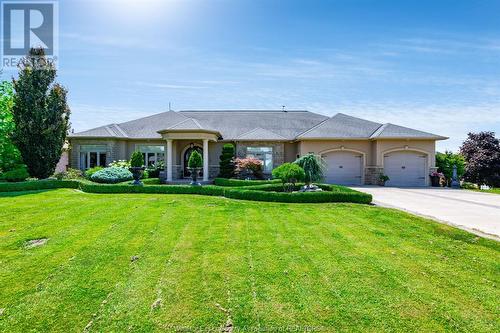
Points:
[(343, 168), (405, 168)]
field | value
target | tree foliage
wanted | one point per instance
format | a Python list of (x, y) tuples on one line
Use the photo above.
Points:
[(249, 167), (226, 163), (290, 174), (9, 154), (314, 167), (195, 160), (445, 162), (41, 114), (481, 152)]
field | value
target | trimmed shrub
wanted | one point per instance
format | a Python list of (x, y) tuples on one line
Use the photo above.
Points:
[(266, 192), (88, 174), (242, 182), (226, 164), (136, 160), (111, 175), (159, 189), (18, 174), (289, 174), (195, 160), (298, 197)]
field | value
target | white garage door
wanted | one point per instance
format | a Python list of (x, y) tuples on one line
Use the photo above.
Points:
[(405, 168), (343, 168)]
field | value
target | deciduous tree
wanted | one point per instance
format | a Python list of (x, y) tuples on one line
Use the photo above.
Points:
[(482, 156), (445, 162), (9, 154)]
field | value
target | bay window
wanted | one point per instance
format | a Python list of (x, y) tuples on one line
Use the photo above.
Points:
[(152, 154), (265, 154), (92, 156)]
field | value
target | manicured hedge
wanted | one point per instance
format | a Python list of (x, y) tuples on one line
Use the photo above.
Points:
[(242, 182), (160, 189), (38, 185), (298, 197), (264, 192)]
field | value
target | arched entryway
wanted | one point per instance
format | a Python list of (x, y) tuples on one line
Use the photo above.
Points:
[(185, 158)]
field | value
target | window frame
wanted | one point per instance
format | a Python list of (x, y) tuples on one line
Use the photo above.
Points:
[(86, 152), (266, 168), (146, 149)]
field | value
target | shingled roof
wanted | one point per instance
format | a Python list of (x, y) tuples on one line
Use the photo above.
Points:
[(341, 126), (234, 125)]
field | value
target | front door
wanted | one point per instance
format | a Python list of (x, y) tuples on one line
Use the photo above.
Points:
[(188, 152)]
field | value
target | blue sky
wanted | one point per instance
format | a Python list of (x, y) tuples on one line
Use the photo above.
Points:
[(431, 65)]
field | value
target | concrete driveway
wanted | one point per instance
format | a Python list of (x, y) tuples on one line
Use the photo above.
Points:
[(472, 211)]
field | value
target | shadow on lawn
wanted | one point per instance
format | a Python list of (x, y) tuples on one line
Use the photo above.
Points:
[(21, 193)]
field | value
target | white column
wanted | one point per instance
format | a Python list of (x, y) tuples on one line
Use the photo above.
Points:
[(169, 160), (205, 159)]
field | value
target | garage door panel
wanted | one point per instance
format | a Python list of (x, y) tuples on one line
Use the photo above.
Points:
[(343, 168), (405, 168)]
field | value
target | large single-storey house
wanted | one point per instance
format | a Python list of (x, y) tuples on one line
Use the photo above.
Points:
[(356, 151)]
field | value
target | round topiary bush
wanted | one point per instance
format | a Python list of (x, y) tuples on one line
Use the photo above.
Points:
[(111, 175)]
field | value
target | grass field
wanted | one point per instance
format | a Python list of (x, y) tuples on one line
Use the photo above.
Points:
[(204, 262), (492, 190)]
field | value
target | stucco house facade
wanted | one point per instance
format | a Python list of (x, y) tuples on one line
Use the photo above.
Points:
[(356, 151)]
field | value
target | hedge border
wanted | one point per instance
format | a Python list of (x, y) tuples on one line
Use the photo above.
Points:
[(229, 182), (265, 192)]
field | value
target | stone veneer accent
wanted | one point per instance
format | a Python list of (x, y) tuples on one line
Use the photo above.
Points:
[(278, 150), (372, 174)]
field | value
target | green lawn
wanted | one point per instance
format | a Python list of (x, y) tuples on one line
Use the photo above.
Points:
[(323, 267), (492, 190)]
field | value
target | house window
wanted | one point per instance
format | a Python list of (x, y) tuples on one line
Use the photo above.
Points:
[(92, 156), (152, 154), (265, 154)]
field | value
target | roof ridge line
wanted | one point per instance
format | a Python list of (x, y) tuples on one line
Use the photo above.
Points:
[(121, 130), (108, 129), (197, 123), (314, 127), (260, 128), (153, 115), (180, 122), (379, 130)]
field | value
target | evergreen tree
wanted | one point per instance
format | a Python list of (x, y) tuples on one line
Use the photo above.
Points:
[(41, 114), (226, 163)]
